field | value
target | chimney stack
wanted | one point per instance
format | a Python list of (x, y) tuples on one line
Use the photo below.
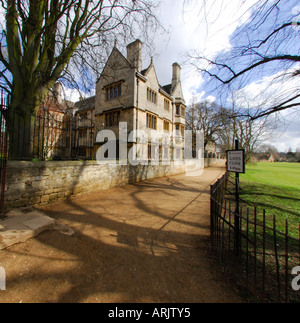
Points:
[(134, 54), (176, 75), (57, 92)]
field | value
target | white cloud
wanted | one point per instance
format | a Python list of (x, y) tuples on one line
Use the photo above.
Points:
[(194, 27), (274, 89), (269, 90), (74, 95), (287, 134), (2, 16), (284, 140), (207, 30), (71, 94)]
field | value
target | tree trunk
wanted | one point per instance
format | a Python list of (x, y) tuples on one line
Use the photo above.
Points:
[(21, 135), (25, 102)]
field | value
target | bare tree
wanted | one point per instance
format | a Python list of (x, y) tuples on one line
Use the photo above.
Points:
[(268, 44), (250, 133), (43, 41), (207, 117), (224, 125)]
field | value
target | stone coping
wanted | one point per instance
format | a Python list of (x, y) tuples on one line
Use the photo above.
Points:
[(40, 164), (68, 163)]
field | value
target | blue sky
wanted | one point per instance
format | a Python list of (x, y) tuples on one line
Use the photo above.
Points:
[(216, 33), (211, 32)]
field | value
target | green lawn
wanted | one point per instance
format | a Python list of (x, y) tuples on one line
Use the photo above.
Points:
[(274, 187)]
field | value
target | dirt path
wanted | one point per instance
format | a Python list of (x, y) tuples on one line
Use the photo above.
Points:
[(147, 242)]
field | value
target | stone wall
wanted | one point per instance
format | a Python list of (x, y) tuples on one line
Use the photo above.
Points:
[(40, 183), (208, 162)]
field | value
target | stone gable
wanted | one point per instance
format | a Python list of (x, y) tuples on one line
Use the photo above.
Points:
[(127, 93)]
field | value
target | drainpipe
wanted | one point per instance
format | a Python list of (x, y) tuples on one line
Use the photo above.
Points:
[(173, 137), (137, 111)]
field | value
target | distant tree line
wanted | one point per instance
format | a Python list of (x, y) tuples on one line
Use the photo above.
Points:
[(264, 152), (223, 126)]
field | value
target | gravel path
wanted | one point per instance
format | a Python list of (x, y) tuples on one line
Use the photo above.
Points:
[(146, 243)]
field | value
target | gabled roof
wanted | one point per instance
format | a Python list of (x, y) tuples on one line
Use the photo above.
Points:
[(167, 88), (146, 71), (143, 72), (115, 49), (52, 105), (85, 104)]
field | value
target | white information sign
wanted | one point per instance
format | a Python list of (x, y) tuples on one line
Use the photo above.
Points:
[(236, 161)]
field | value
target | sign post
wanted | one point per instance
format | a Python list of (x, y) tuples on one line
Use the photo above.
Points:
[(236, 164)]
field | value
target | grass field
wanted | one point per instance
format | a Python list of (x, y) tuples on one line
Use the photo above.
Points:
[(274, 187)]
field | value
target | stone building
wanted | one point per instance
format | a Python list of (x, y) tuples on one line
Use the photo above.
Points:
[(52, 131), (125, 92), (84, 129), (210, 150)]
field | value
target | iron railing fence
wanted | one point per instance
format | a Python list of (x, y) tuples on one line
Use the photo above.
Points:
[(4, 102), (48, 135), (55, 136), (42, 137), (268, 259)]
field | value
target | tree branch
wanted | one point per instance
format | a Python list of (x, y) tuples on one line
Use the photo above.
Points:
[(275, 32)]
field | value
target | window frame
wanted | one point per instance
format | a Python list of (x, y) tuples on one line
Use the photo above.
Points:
[(151, 121), (112, 118), (167, 125), (167, 104), (113, 91), (151, 95)]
